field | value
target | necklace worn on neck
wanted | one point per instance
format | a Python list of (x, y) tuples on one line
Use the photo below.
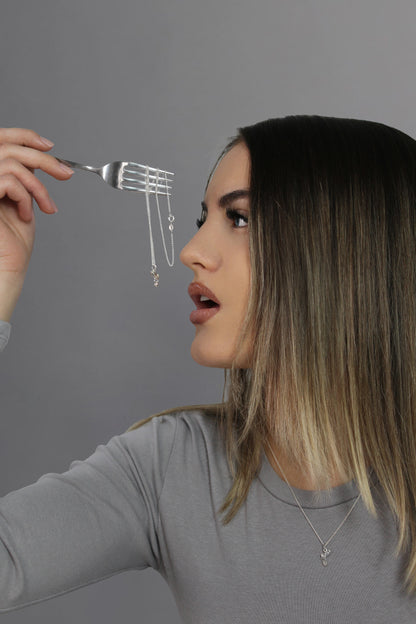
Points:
[(325, 550)]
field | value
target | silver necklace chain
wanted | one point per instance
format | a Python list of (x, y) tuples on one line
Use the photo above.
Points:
[(325, 550), (171, 219)]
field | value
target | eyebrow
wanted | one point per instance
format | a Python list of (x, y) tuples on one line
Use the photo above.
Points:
[(228, 198)]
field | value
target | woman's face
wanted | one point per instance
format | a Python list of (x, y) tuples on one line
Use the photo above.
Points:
[(218, 255)]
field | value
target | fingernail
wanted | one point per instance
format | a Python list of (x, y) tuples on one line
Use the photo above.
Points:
[(66, 169), (46, 142), (55, 209)]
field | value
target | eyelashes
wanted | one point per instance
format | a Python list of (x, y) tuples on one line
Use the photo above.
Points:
[(200, 222), (232, 215)]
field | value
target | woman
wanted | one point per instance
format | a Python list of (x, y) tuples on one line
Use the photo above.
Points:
[(294, 501)]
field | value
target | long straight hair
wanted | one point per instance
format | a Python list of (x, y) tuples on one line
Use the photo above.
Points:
[(332, 312)]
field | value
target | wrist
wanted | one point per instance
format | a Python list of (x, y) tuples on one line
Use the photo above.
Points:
[(10, 290)]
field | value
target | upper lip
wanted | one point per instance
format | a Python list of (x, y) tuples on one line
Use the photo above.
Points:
[(196, 290)]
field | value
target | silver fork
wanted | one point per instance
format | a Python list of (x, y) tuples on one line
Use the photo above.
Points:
[(130, 176)]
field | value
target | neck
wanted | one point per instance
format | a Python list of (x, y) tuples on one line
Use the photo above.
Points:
[(295, 475)]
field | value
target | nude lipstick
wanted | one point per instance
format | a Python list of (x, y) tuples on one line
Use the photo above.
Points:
[(207, 305)]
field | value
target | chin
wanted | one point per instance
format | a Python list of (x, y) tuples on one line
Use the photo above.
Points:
[(217, 358), (206, 357)]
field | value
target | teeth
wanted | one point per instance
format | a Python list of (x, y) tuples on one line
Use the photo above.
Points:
[(203, 298)]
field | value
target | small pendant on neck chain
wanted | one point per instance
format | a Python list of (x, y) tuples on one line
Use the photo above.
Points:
[(324, 554)]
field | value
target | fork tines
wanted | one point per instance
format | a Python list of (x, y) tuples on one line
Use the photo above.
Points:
[(138, 177)]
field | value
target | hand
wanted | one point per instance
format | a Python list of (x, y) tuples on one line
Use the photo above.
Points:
[(21, 152)]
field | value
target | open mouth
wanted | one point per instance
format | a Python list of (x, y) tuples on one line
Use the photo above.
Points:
[(202, 302), (205, 301), (202, 296)]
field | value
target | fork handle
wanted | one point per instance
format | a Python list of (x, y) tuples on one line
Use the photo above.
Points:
[(75, 165)]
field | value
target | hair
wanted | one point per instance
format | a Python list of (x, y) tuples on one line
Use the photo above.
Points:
[(331, 314), (332, 311)]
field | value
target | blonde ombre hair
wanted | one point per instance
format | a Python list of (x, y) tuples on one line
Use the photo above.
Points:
[(332, 313)]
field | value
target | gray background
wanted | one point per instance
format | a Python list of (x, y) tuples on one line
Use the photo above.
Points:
[(94, 346)]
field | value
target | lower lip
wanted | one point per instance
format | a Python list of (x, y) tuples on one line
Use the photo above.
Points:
[(197, 317)]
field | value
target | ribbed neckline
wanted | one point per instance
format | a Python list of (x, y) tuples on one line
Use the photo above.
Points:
[(307, 498)]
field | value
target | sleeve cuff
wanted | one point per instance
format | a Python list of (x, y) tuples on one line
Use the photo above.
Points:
[(5, 329)]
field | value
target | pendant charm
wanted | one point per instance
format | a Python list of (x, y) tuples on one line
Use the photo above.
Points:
[(155, 275), (324, 554)]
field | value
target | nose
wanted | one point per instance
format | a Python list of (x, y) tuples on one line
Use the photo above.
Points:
[(202, 251)]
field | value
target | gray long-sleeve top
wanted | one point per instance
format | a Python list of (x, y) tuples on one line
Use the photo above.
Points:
[(150, 497)]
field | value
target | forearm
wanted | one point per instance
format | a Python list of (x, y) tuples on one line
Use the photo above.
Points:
[(10, 290)]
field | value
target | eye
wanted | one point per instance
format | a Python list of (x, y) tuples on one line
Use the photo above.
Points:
[(239, 220)]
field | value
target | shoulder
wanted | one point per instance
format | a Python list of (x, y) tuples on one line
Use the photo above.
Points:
[(177, 449), (193, 417), (155, 436), (186, 429), (147, 450)]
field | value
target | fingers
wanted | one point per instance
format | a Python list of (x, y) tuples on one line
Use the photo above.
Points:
[(35, 159), (22, 136), (14, 190), (21, 152), (10, 168)]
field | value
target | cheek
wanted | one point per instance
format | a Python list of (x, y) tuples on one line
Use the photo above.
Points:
[(242, 287)]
